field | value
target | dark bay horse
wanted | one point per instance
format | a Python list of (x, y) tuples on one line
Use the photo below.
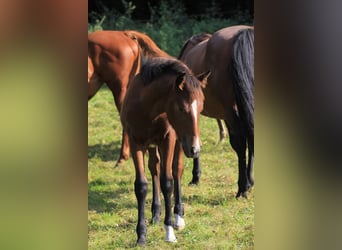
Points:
[(113, 58), (229, 94), (160, 114)]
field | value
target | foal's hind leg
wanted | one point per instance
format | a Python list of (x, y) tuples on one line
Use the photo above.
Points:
[(140, 189), (154, 166)]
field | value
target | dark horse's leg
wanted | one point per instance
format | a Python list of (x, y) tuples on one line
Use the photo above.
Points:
[(196, 172), (250, 165), (154, 166), (238, 141), (140, 189), (177, 172)]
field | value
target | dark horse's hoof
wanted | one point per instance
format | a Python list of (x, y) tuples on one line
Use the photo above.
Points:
[(241, 194)]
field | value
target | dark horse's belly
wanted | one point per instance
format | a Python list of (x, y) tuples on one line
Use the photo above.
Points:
[(212, 106)]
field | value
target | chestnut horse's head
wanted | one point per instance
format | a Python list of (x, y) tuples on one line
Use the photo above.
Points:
[(185, 106)]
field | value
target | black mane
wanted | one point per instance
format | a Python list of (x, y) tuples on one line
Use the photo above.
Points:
[(153, 68)]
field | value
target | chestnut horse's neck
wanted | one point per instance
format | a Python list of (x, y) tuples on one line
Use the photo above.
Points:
[(148, 47)]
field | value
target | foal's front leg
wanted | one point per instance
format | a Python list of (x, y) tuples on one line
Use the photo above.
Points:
[(140, 188), (166, 182), (177, 172)]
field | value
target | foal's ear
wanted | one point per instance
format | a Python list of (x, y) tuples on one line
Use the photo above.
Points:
[(203, 78), (180, 81)]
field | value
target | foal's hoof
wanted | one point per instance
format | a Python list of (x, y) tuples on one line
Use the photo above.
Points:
[(155, 220), (141, 241), (179, 223), (170, 235)]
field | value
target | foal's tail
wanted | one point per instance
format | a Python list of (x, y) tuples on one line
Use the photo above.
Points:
[(243, 80)]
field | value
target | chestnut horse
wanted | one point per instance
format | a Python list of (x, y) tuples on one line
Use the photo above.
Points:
[(160, 114), (229, 94), (113, 58)]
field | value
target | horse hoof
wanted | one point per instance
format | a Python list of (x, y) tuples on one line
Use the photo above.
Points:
[(180, 223), (241, 194), (141, 241), (119, 163), (170, 235), (194, 182)]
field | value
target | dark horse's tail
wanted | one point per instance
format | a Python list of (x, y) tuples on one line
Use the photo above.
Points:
[(243, 80)]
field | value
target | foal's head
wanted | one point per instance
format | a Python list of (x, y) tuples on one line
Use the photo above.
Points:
[(181, 92), (185, 106)]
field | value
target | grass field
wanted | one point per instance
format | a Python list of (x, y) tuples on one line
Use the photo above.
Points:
[(214, 218)]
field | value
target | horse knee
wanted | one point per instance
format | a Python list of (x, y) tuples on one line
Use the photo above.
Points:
[(140, 189)]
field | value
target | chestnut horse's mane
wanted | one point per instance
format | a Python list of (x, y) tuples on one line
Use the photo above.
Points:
[(147, 45)]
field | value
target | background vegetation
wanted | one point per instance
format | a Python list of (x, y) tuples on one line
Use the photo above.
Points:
[(168, 25), (214, 218)]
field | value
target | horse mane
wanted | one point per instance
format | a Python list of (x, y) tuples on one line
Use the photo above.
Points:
[(195, 39), (148, 47), (153, 68)]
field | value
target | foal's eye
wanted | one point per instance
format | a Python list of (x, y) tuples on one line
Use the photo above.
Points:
[(182, 109)]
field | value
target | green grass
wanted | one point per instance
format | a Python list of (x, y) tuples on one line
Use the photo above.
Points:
[(214, 218)]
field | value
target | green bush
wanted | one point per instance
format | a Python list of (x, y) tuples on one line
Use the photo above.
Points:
[(168, 26)]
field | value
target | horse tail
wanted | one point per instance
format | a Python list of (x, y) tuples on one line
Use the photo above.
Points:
[(243, 80)]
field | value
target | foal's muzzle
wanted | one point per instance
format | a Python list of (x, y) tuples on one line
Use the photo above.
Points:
[(191, 150)]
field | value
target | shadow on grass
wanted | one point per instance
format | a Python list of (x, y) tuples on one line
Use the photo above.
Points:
[(103, 201), (106, 152), (208, 200)]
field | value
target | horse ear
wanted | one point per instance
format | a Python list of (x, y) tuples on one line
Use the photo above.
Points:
[(180, 81), (203, 78)]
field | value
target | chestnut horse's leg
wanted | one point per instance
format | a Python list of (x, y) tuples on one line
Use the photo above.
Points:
[(94, 81), (177, 172), (140, 188), (196, 172), (118, 88), (238, 139), (154, 166), (166, 151)]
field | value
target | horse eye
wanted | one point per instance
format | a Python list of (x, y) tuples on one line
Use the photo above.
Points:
[(182, 109)]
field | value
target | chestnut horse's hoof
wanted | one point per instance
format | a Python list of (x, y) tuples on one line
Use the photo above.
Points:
[(120, 162)]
